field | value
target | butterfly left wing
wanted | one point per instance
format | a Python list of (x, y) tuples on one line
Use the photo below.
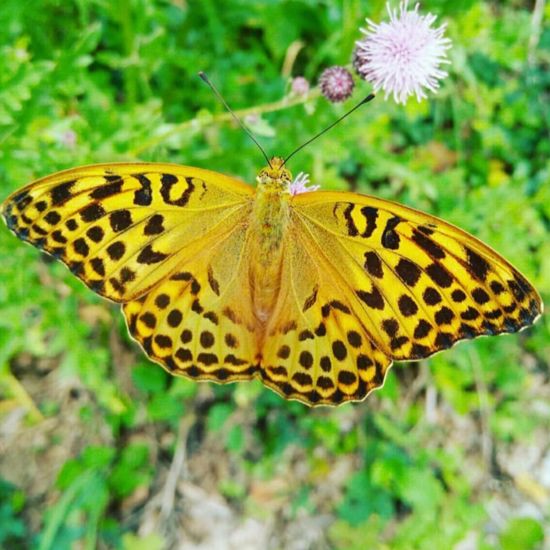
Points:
[(166, 241), (121, 227), (368, 281), (198, 322)]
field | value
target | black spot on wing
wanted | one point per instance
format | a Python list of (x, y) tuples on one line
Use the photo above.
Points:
[(391, 327), (373, 299), (149, 256), (148, 319), (302, 379), (428, 245), (167, 182), (52, 217), (206, 339), (81, 247), (336, 304), (444, 340), (61, 193), (154, 225), (477, 266), (24, 202), (390, 238), (373, 264), (144, 195), (422, 329), (370, 214), (71, 224), (213, 282), (431, 296), (163, 341), (407, 306), (92, 212), (325, 363), (458, 295), (470, 314), (444, 316), (350, 224), (109, 189), (120, 220), (439, 275), (95, 233), (480, 296), (408, 271), (58, 237), (311, 299), (162, 301), (496, 287), (116, 250), (339, 350), (98, 266), (347, 377), (305, 359), (354, 339)]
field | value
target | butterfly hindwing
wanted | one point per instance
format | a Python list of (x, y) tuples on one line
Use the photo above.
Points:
[(121, 228), (416, 283), (316, 350), (198, 322)]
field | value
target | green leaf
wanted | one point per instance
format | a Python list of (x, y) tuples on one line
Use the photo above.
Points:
[(149, 378), (522, 534), (164, 406), (217, 416)]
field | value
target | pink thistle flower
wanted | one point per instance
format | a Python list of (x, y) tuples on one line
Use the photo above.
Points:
[(299, 86), (336, 83), (402, 57), (300, 184)]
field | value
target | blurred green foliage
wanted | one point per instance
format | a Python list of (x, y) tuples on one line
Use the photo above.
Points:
[(89, 81)]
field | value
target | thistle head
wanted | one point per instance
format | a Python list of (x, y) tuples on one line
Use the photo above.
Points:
[(403, 57)]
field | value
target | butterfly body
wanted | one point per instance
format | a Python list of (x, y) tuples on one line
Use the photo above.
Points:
[(269, 225), (315, 294)]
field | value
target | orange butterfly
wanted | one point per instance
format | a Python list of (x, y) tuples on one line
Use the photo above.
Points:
[(315, 294)]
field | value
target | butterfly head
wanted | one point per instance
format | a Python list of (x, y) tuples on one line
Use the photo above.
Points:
[(276, 175)]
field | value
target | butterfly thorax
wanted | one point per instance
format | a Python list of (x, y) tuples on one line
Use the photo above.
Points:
[(270, 217)]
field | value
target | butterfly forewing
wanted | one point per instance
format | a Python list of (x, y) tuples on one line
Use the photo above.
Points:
[(416, 283), (122, 228)]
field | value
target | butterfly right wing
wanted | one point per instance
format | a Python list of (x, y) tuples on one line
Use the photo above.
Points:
[(366, 281), (121, 228)]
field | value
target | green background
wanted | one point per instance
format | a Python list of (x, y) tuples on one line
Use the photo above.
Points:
[(98, 447)]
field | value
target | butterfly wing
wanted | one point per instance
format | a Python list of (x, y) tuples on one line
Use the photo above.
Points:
[(316, 348), (168, 242), (121, 228), (371, 281), (198, 322)]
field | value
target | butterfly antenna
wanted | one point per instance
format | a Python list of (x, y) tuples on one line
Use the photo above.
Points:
[(239, 121), (370, 97)]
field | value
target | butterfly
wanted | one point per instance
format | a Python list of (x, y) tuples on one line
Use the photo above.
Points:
[(315, 294)]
